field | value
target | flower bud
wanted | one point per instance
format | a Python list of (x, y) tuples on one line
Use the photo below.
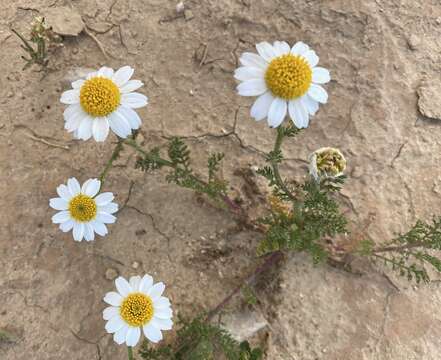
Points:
[(326, 162)]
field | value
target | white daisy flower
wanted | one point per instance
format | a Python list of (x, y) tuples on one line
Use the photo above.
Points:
[(326, 161), (137, 304), (105, 99), (286, 80), (82, 210)]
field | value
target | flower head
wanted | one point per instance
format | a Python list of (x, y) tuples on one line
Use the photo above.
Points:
[(137, 305), (82, 210), (286, 80), (326, 161), (105, 99)]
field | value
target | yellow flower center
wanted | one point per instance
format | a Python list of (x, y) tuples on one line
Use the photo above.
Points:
[(288, 76), (99, 96), (82, 208), (136, 309)]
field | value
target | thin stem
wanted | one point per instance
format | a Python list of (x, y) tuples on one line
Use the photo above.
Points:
[(115, 155), (275, 164), (130, 352), (159, 160), (399, 248), (271, 260), (29, 47)]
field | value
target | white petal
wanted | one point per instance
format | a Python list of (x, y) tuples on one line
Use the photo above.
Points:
[(61, 217), (298, 113), (254, 60), (123, 75), (74, 186), (119, 125), (162, 302), (100, 129), (162, 324), (99, 227), (134, 100), (320, 75), (156, 290), (311, 105), (91, 187), (70, 97), (131, 85), (259, 110), (120, 336), (130, 115), (311, 57), (266, 51), (113, 298), (67, 225), (85, 128), (91, 75), (245, 73), (134, 282), (74, 122), (133, 335), (109, 208), (277, 112), (114, 324), (63, 192), (89, 234), (106, 72), (77, 84), (152, 333), (146, 283), (281, 48), (104, 198), (110, 312), (105, 218), (163, 313), (253, 87), (299, 48), (78, 231), (318, 93), (123, 286), (58, 204)]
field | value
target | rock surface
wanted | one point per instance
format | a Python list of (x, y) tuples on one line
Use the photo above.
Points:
[(429, 100), (64, 21), (51, 287)]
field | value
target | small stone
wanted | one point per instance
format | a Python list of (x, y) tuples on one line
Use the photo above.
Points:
[(413, 42), (188, 14), (429, 100), (243, 325), (135, 265), (438, 20), (180, 7), (111, 274), (64, 21)]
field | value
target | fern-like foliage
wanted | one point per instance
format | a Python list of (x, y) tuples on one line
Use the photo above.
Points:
[(199, 340), (179, 160), (314, 216), (409, 253)]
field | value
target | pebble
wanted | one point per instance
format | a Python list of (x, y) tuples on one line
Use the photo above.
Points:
[(429, 100), (413, 42), (188, 14), (135, 265), (111, 274)]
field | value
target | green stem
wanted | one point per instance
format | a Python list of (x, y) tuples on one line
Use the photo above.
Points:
[(275, 164), (29, 47), (130, 352), (115, 155)]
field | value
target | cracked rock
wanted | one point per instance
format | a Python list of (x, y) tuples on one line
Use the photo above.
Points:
[(64, 21), (429, 100)]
